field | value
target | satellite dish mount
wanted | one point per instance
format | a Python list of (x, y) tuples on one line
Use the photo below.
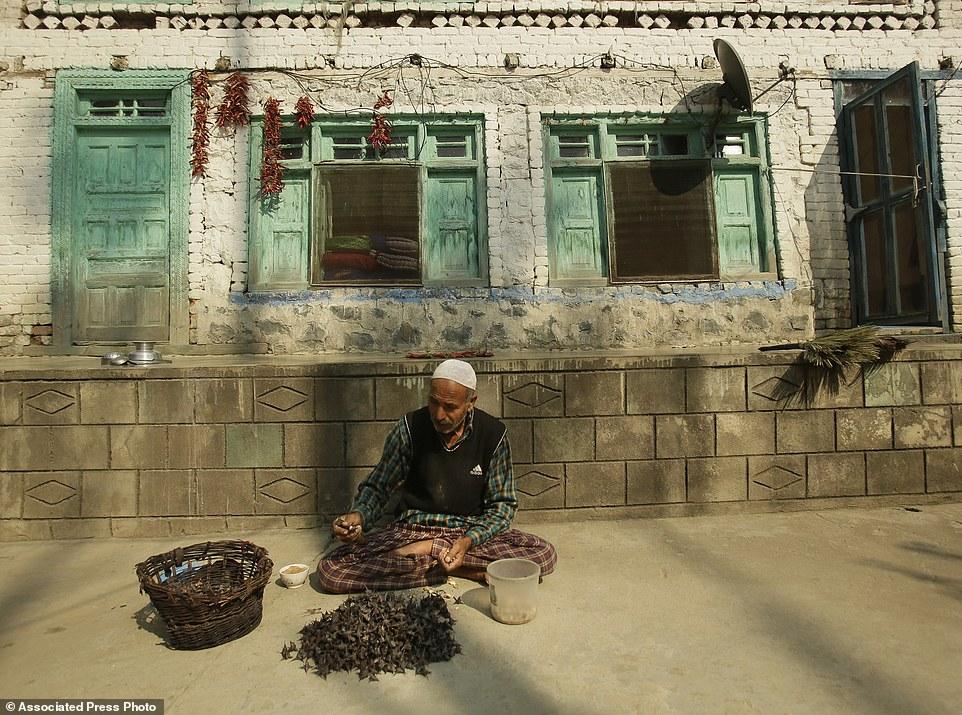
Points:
[(736, 89)]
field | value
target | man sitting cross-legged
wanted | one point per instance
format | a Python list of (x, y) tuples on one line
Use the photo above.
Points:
[(451, 464)]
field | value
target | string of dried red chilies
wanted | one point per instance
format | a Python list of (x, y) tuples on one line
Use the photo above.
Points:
[(200, 102), (380, 136), (304, 112), (272, 173), (234, 110)]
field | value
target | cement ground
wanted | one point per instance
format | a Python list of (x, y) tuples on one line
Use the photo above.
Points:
[(845, 611)]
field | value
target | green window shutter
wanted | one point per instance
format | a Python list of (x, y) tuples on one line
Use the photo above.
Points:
[(575, 226), (737, 211), (279, 237), (451, 228)]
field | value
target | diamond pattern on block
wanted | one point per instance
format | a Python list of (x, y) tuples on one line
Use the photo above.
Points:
[(51, 492), (533, 394), (283, 398), (776, 478), (284, 490), (775, 389), (535, 483), (50, 402)]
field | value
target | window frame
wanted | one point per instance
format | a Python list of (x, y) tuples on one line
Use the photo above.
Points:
[(422, 130), (602, 132)]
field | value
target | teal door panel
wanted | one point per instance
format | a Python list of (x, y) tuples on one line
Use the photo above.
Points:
[(451, 230), (575, 226), (279, 255), (737, 214), (121, 235)]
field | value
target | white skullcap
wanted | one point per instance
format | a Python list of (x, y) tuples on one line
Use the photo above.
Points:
[(456, 371)]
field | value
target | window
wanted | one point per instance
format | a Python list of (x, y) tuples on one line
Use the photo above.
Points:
[(349, 214), (101, 104), (643, 199)]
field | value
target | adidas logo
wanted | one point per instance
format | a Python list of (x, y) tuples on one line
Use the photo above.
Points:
[(477, 471)]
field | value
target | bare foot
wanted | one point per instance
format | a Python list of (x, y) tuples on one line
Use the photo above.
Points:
[(415, 548), (471, 573)]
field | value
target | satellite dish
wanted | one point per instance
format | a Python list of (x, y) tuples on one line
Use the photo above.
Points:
[(736, 88)]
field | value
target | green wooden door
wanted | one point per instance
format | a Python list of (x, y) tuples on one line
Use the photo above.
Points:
[(574, 226), (279, 228), (451, 230), (737, 213), (122, 234)]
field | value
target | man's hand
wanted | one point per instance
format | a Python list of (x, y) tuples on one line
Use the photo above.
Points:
[(452, 559), (348, 527)]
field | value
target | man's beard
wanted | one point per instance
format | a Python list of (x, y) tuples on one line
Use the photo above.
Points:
[(444, 429)]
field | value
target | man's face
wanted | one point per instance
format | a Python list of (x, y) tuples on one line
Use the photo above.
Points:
[(449, 404)]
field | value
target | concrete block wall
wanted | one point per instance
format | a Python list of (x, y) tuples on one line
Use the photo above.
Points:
[(180, 450), (520, 309)]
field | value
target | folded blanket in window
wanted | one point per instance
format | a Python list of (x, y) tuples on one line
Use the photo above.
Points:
[(348, 242), (396, 262), (395, 244), (350, 260)]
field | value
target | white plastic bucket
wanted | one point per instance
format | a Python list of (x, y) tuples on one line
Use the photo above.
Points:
[(513, 588)]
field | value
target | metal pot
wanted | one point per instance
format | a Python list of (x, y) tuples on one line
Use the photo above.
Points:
[(143, 354)]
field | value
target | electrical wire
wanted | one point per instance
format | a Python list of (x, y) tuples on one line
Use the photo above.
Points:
[(945, 83), (789, 98), (394, 68)]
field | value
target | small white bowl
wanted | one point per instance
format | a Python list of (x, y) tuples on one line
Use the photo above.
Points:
[(294, 575)]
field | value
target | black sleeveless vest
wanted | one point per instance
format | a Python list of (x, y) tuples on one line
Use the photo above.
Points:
[(449, 482)]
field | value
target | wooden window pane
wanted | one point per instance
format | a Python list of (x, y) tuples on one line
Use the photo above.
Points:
[(104, 104), (727, 145), (292, 147), (663, 223), (900, 124), (674, 144), (574, 146), (452, 146), (450, 151), (640, 145), (866, 153), (912, 261), (371, 224), (399, 148), (876, 279), (348, 147)]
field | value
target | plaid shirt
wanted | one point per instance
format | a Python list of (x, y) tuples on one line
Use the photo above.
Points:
[(500, 501)]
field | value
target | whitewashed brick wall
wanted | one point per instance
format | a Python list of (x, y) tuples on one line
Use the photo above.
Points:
[(950, 143), (26, 118), (808, 214)]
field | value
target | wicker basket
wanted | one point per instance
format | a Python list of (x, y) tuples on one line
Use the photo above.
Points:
[(207, 593)]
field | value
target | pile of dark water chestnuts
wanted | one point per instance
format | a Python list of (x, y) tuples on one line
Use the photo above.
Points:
[(378, 633)]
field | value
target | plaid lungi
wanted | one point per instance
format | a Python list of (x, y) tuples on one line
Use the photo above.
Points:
[(370, 565)]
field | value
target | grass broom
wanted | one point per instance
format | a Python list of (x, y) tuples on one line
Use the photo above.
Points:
[(845, 349)]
